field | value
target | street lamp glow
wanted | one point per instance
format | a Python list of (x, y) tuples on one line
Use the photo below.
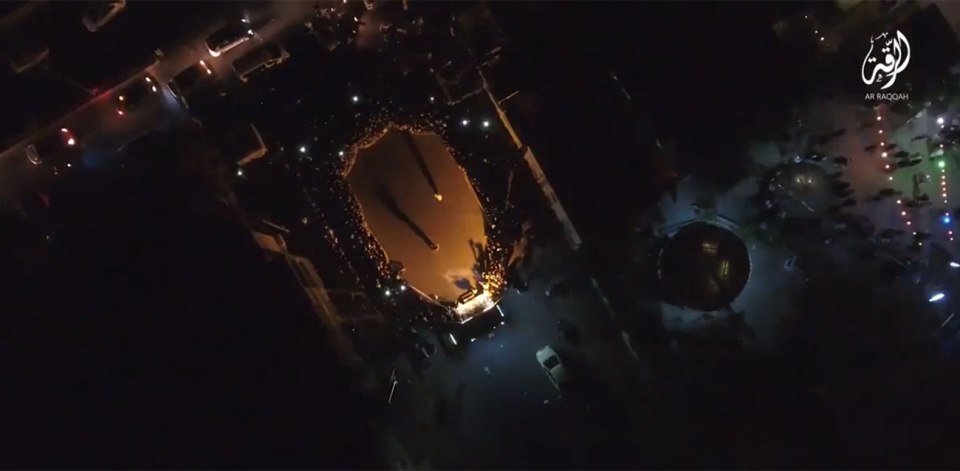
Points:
[(403, 287), (387, 292), (946, 219), (941, 164), (355, 99), (954, 265), (465, 122), (486, 123), (340, 153), (239, 172), (940, 120), (879, 118), (936, 297), (883, 154), (303, 149)]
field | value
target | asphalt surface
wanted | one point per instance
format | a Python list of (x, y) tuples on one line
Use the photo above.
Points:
[(502, 409), (407, 225)]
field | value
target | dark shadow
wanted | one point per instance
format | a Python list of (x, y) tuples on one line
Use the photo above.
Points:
[(481, 258), (463, 284), (382, 194), (418, 156)]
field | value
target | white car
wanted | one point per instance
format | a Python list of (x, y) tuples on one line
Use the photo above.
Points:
[(101, 12), (551, 363)]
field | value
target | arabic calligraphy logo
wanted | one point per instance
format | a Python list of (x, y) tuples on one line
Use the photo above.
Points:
[(895, 55)]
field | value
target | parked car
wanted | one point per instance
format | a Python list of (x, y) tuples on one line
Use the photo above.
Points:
[(133, 95), (50, 146), (263, 57), (229, 36), (553, 366), (189, 79), (99, 13)]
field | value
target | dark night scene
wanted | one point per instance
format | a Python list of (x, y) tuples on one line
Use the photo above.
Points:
[(462, 234)]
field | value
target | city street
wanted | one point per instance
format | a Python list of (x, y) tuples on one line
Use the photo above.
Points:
[(508, 413), (102, 132)]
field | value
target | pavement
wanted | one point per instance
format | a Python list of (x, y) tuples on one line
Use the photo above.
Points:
[(503, 410)]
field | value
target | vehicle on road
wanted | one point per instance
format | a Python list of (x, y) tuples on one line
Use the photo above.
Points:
[(99, 13), (133, 95), (187, 81), (229, 36), (457, 335), (264, 57), (51, 146), (552, 365)]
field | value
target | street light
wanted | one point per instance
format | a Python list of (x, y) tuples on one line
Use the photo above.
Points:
[(340, 153), (954, 265), (239, 172), (355, 99), (486, 123), (936, 297), (940, 120), (465, 122), (303, 149)]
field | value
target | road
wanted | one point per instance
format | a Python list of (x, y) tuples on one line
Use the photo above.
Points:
[(101, 131), (509, 414)]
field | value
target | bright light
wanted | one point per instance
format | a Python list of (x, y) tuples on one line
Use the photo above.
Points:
[(890, 178), (486, 123), (879, 118), (239, 172), (120, 112), (880, 131), (822, 38), (121, 98), (64, 130), (899, 202), (303, 149), (452, 338), (883, 154), (71, 141), (908, 223), (340, 153), (480, 303), (387, 292), (355, 99), (946, 219), (941, 164), (153, 88), (903, 213), (403, 287), (465, 122), (954, 265), (936, 297), (940, 120), (148, 79), (69, 164), (886, 167), (431, 99)]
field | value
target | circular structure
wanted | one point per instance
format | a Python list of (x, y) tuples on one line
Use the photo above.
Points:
[(422, 210), (704, 267), (802, 190)]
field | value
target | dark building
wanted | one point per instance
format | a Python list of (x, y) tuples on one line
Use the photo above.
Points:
[(159, 336)]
